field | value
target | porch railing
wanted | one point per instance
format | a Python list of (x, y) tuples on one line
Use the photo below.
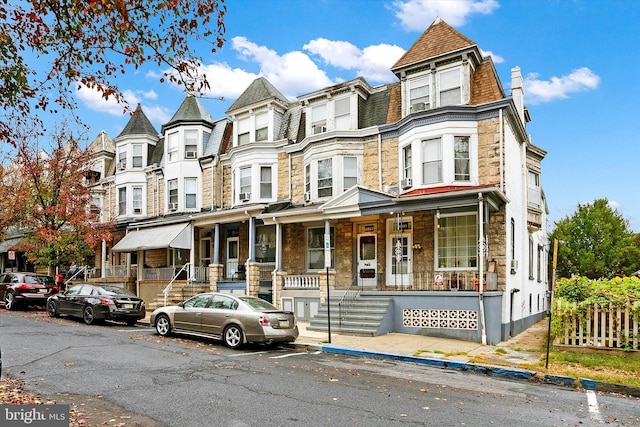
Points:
[(167, 290), (201, 274), (348, 299), (443, 281), (301, 281)]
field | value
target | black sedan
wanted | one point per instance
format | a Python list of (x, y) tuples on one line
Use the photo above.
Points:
[(97, 302)]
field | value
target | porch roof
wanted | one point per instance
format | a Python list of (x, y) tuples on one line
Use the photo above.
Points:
[(9, 243), (168, 236)]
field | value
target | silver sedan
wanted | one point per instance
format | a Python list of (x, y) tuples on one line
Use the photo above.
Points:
[(235, 320)]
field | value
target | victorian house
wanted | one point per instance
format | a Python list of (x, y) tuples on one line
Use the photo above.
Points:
[(413, 207)]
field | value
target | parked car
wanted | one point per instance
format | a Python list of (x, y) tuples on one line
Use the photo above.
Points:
[(235, 320), (93, 302), (22, 289)]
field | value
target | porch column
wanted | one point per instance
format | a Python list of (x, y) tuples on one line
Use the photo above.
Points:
[(192, 254), (103, 260), (216, 245), (278, 246), (252, 239), (215, 274)]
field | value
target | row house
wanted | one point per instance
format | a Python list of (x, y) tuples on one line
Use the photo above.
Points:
[(413, 207)]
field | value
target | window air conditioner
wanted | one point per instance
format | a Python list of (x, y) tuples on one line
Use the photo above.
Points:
[(307, 196), (173, 206), (245, 197), (122, 165), (137, 210), (190, 155), (418, 106), (406, 183)]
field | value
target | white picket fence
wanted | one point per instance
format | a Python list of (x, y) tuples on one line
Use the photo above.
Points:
[(608, 326)]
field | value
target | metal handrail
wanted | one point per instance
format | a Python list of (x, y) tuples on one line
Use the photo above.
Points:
[(348, 299), (83, 269), (167, 290)]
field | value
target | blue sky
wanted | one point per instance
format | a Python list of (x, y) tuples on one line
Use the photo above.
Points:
[(580, 60)]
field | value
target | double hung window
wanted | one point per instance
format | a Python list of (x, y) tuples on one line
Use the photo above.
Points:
[(342, 114), (318, 119), (122, 201), (173, 191), (450, 87), (419, 91), (265, 182), (461, 158), (315, 247), (325, 178), (432, 161), (136, 160), (349, 172), (190, 193)]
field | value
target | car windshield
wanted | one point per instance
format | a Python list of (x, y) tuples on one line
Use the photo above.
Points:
[(258, 304), (116, 290), (38, 280)]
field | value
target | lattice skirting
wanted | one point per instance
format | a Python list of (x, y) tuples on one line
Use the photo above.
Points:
[(440, 319)]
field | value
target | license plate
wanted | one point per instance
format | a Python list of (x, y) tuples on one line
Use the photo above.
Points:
[(283, 323), (127, 306), (42, 291)]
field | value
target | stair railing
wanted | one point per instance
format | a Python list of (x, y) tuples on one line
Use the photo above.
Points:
[(167, 290), (347, 300)]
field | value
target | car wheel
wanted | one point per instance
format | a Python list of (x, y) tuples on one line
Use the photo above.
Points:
[(88, 315), (9, 301), (51, 309), (233, 336), (163, 325)]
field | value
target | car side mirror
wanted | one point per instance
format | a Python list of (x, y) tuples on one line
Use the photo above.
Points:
[(181, 305)]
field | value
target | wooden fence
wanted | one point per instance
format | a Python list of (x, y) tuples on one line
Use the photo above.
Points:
[(608, 326)]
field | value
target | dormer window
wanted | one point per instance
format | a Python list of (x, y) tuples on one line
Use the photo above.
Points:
[(419, 89), (450, 87), (319, 119)]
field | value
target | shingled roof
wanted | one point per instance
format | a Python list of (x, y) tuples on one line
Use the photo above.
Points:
[(138, 124), (191, 110), (440, 38), (258, 91), (102, 144)]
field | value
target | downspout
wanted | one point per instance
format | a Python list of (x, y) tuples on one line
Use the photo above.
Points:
[(481, 267), (290, 182), (379, 162), (192, 254), (501, 127)]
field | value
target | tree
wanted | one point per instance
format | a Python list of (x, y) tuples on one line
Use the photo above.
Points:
[(45, 194), (596, 242), (50, 48)]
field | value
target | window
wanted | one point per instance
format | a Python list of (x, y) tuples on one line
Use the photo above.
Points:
[(533, 196), (530, 258), (315, 248), (431, 161), (122, 201), (461, 158), (191, 144), (137, 156), (137, 200), (513, 239), (244, 127), (265, 182), (450, 93), (419, 94), (245, 180), (262, 127), (265, 244), (172, 146), (539, 264), (325, 178), (190, 193), (307, 179), (318, 119), (457, 241), (173, 191), (349, 172), (122, 160), (342, 114), (406, 162)]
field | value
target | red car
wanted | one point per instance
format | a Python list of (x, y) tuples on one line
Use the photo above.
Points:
[(23, 289)]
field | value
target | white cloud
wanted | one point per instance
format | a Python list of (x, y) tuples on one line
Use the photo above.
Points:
[(538, 91), (413, 14), (497, 59)]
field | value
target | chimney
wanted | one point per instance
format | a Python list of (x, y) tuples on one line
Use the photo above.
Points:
[(517, 93)]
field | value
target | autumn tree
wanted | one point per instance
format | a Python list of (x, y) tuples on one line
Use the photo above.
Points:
[(49, 49), (596, 242), (45, 194)]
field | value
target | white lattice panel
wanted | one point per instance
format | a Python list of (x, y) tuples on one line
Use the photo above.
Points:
[(440, 319)]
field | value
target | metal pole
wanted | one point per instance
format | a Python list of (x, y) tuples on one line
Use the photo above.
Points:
[(553, 284), (327, 264)]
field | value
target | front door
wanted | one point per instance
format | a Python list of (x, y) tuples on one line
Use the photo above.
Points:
[(232, 257), (399, 252), (367, 260)]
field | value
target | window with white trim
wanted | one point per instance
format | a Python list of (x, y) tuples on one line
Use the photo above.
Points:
[(450, 87), (419, 94), (318, 119), (244, 131), (262, 127), (172, 146), (349, 172), (461, 158), (307, 178), (432, 161), (265, 182), (173, 191), (137, 200), (533, 195), (315, 247), (245, 180), (122, 201), (136, 160), (122, 160), (325, 178), (190, 193), (406, 162), (457, 241), (191, 143), (342, 111)]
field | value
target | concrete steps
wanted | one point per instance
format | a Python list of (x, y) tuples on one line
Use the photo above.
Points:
[(177, 295), (363, 318)]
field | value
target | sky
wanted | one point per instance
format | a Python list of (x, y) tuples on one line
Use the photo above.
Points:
[(580, 60)]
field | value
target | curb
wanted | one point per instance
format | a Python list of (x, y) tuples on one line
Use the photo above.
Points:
[(489, 370)]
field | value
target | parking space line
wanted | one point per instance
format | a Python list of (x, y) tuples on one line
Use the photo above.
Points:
[(293, 354), (593, 406)]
